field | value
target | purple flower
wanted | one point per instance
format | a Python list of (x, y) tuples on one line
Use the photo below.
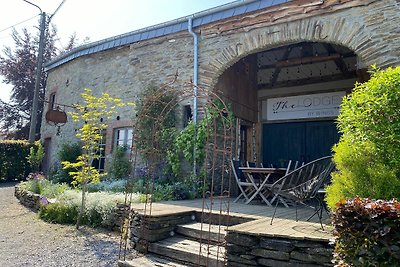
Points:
[(44, 201)]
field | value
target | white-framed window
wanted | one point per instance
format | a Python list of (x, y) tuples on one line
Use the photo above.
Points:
[(123, 137)]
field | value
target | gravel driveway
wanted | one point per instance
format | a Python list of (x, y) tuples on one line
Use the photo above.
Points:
[(25, 240)]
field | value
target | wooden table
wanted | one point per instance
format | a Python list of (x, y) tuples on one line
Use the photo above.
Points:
[(265, 174)]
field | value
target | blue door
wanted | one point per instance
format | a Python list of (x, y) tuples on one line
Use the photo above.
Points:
[(300, 141)]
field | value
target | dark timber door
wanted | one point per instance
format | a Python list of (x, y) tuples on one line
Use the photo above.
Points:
[(301, 141)]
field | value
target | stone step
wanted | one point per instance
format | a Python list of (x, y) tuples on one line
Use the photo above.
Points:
[(197, 231), (187, 250), (150, 260)]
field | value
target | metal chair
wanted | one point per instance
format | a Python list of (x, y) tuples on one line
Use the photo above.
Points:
[(303, 183), (246, 187)]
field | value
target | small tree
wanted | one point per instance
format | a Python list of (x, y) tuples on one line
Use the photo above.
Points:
[(90, 115)]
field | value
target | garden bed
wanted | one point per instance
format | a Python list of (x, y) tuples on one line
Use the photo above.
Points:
[(36, 201)]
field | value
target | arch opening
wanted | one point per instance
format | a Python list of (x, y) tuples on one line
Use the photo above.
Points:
[(287, 99)]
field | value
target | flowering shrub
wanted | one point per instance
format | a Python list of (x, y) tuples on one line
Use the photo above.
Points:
[(367, 232), (99, 209), (35, 176), (38, 184)]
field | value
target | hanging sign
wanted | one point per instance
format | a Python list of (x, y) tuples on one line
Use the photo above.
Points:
[(303, 106)]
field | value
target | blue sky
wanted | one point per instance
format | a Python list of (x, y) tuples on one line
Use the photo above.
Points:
[(96, 19)]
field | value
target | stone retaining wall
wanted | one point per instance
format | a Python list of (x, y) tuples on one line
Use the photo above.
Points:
[(27, 198), (146, 229), (250, 250)]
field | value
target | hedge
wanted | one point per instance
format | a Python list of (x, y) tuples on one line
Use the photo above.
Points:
[(367, 232), (13, 163)]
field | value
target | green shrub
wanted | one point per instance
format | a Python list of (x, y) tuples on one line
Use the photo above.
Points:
[(120, 166), (367, 156), (59, 213), (14, 165), (51, 190), (36, 155), (68, 152), (31, 185), (367, 233), (99, 208), (44, 187), (163, 191), (108, 186)]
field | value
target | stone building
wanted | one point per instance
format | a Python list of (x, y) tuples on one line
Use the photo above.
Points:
[(283, 64)]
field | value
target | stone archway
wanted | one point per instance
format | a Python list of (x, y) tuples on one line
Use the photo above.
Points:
[(351, 28), (347, 24)]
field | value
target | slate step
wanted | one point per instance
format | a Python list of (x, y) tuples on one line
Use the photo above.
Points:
[(150, 260), (187, 250), (196, 231)]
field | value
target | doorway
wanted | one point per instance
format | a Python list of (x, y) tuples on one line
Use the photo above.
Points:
[(299, 141)]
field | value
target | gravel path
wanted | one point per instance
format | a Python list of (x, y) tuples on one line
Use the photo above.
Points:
[(25, 240)]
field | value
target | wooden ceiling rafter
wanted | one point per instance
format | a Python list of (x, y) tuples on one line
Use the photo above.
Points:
[(305, 81), (278, 69), (340, 64), (307, 60)]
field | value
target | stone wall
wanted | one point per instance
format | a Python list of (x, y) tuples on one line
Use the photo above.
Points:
[(27, 198), (123, 73), (250, 250), (146, 229), (367, 27)]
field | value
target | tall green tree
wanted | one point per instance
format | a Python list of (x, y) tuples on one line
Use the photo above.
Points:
[(18, 68)]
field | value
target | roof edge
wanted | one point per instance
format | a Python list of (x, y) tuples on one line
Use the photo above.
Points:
[(169, 27)]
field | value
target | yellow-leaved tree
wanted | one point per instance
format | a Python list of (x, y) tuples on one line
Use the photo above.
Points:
[(90, 115)]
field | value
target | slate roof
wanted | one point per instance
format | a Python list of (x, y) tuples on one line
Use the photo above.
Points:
[(198, 19)]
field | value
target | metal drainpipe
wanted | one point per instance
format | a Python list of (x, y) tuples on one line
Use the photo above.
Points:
[(195, 80)]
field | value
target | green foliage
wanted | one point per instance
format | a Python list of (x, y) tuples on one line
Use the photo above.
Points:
[(150, 131), (68, 152), (191, 188), (90, 115), (120, 166), (13, 162), (108, 186), (58, 213), (367, 156), (362, 172), (186, 140), (84, 173), (36, 155), (99, 210), (367, 233), (44, 187)]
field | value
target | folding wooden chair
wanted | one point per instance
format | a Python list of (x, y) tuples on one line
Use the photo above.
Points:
[(246, 187)]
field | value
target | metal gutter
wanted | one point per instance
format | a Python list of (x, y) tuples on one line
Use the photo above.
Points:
[(195, 82)]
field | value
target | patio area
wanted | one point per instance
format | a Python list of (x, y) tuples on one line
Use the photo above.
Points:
[(242, 237), (253, 218)]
